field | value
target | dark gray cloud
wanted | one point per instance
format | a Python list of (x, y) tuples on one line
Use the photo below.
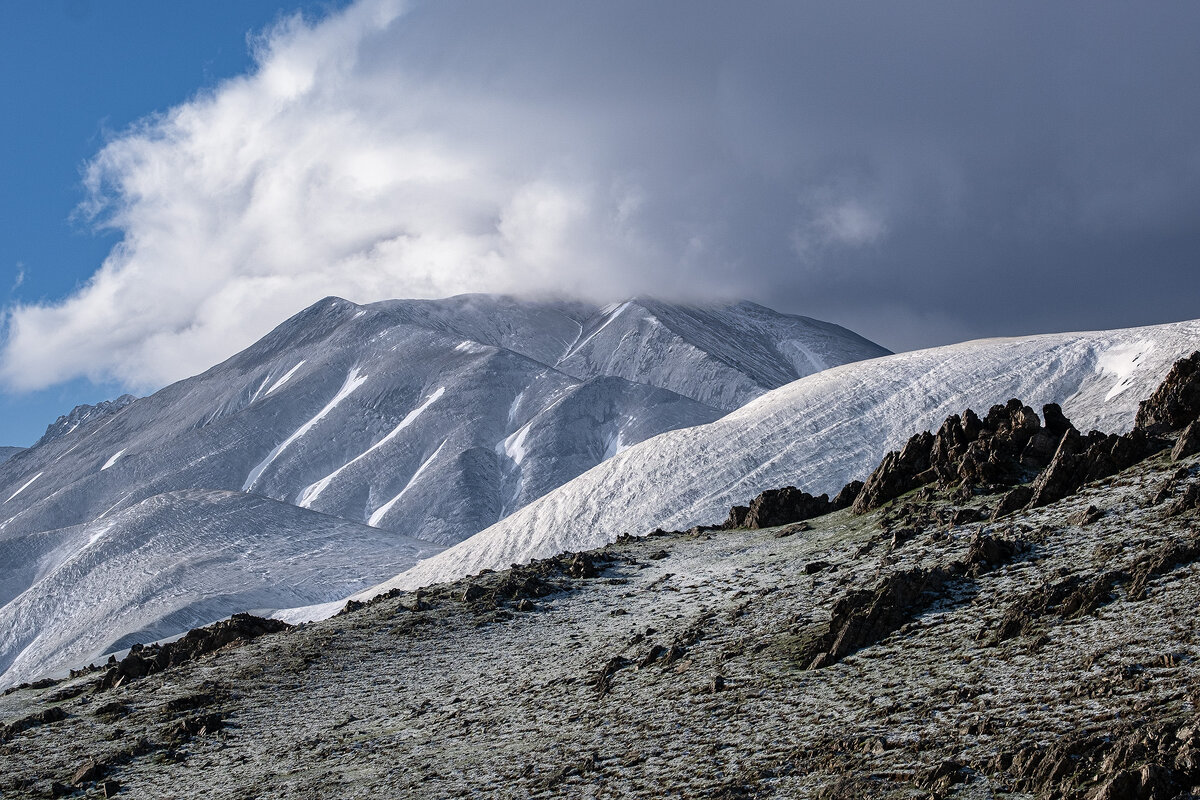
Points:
[(922, 172)]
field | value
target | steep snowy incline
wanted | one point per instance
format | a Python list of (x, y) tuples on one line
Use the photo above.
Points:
[(173, 562), (818, 433)]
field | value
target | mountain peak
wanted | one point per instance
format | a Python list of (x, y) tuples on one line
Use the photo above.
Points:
[(83, 415)]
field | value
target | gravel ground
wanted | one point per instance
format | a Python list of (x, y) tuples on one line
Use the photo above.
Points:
[(676, 670)]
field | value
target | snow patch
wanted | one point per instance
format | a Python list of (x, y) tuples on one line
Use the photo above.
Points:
[(1122, 361), (353, 381), (514, 445), (614, 445), (383, 510), (311, 493), (470, 347), (112, 460), (285, 378)]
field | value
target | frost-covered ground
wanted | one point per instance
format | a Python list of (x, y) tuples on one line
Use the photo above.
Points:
[(465, 699), (820, 432)]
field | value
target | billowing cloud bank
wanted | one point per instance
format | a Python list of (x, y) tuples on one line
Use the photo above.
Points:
[(878, 163)]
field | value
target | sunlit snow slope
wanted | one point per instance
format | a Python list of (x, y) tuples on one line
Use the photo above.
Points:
[(820, 432), (427, 419)]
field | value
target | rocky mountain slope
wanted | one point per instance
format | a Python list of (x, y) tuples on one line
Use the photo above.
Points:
[(819, 433), (421, 420), (927, 645)]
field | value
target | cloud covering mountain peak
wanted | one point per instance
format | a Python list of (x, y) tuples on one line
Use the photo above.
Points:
[(870, 163)]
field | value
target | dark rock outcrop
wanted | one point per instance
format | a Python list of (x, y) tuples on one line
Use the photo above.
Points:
[(848, 494), (1006, 447), (1080, 459), (899, 472), (863, 617), (1188, 443), (1085, 516), (1014, 500), (1176, 401), (1135, 762), (143, 661), (54, 714), (784, 506)]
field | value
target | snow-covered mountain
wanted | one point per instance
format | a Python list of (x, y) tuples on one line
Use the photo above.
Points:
[(819, 433), (405, 420)]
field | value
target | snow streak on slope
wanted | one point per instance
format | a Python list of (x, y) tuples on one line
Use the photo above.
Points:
[(817, 434), (287, 376), (312, 492), (383, 510), (25, 486), (353, 381)]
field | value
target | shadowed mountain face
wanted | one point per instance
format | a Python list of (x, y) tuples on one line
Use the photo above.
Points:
[(418, 420)]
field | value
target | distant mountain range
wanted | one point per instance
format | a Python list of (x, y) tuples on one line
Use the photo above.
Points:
[(346, 445)]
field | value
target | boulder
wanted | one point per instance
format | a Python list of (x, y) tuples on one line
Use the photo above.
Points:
[(1188, 443), (783, 506), (1176, 401), (1016, 499)]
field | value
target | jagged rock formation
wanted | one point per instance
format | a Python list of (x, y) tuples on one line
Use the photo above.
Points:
[(1080, 459), (1188, 443), (83, 415), (1176, 402), (1005, 447), (778, 507)]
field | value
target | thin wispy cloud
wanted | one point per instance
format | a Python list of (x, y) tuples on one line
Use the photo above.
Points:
[(861, 162)]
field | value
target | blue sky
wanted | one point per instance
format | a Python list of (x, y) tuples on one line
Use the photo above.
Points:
[(922, 173), (76, 72)]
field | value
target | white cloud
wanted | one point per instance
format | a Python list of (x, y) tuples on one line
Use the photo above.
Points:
[(321, 173), (829, 222), (603, 149)]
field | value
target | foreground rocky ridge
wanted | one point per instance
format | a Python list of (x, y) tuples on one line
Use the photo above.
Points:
[(917, 649)]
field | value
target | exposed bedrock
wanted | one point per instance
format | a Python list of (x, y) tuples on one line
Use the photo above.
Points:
[(1006, 447), (1176, 401)]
